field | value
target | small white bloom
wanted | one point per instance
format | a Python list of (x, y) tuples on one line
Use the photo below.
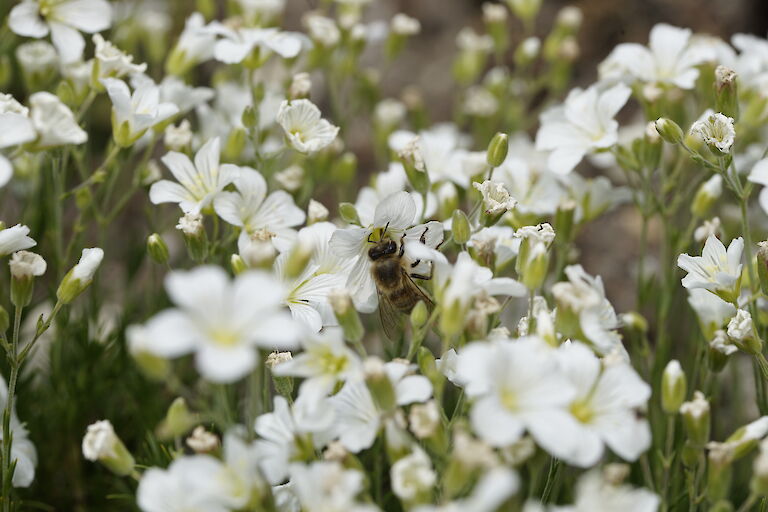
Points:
[(37, 57), (716, 270), (412, 475), (291, 178), (404, 25), (300, 86), (316, 212), (711, 227), (99, 440), (54, 122), (328, 486), (670, 58), (199, 184), (176, 138), (63, 19), (322, 29), (189, 483), (191, 224), (135, 113), (389, 112), (712, 311), (494, 13), (196, 44), (496, 198), (237, 44), (721, 343), (26, 264), (470, 41), (424, 419), (15, 239), (595, 494), (90, 260), (584, 123), (269, 217), (306, 130), (715, 130), (113, 62), (740, 326), (202, 441)]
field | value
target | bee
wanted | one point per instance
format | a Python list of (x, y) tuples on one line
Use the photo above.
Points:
[(397, 291)]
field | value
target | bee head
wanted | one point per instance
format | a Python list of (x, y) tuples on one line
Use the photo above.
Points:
[(383, 248)]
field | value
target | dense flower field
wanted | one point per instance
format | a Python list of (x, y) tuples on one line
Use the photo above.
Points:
[(243, 278)]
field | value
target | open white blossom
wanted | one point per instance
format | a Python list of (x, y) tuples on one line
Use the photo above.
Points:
[(670, 58), (135, 113), (221, 320), (584, 123), (712, 311), (496, 198), (113, 62), (262, 217), (64, 19), (740, 326), (412, 475), (328, 486), (54, 122), (716, 270), (715, 130), (237, 44), (307, 132), (197, 185), (26, 264), (15, 239)]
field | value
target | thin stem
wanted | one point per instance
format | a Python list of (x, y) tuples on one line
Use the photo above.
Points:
[(14, 363)]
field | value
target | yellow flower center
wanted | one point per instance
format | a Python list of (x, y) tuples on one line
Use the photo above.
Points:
[(582, 411), (509, 399), (225, 337)]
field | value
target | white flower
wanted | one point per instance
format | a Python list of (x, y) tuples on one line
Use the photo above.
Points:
[(196, 44), (385, 184), (442, 149), (133, 114), (261, 216), (198, 184), (584, 123), (740, 326), (90, 260), (316, 212), (516, 386), (389, 112), (236, 45), (605, 408), (37, 58), (424, 419), (716, 270), (585, 296), (189, 483), (712, 311), (715, 130), (495, 246), (63, 19), (670, 58), (709, 228), (412, 475), (23, 452), (54, 122), (26, 264), (595, 494), (113, 62), (15, 239), (328, 487), (280, 430), (322, 29), (358, 420), (396, 213), (325, 360), (306, 130), (496, 198), (176, 138), (221, 320), (404, 25)]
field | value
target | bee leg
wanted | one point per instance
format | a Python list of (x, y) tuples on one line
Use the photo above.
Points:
[(423, 237), (369, 238), (422, 277)]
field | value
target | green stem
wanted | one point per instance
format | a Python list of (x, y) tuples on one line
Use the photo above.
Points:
[(14, 363)]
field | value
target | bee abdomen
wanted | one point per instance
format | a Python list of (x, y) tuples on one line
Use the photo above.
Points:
[(403, 299)]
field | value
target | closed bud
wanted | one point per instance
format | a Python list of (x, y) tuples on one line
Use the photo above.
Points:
[(497, 149), (250, 117), (564, 218), (178, 421), (345, 168), (100, 443), (696, 419), (377, 380), (5, 320), (348, 213), (235, 144), (283, 385), (726, 93), (673, 387), (534, 268), (460, 227), (635, 321), (237, 263), (526, 10), (81, 275), (706, 196), (690, 454), (25, 266), (316, 212), (260, 252), (669, 130), (346, 314), (298, 258), (419, 315), (762, 265), (428, 367), (157, 249), (195, 237)]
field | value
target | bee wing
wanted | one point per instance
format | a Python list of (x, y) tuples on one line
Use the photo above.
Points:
[(416, 289), (391, 319)]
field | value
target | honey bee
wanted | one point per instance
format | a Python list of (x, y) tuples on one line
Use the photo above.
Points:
[(397, 291)]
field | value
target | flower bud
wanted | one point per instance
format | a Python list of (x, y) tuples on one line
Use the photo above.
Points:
[(298, 258), (195, 237), (100, 443), (726, 93), (762, 265), (177, 422), (157, 249), (250, 117), (497, 149), (25, 266), (419, 315), (283, 385), (424, 419), (300, 86), (428, 367), (673, 387), (81, 276), (235, 144), (696, 419), (720, 348), (237, 263), (534, 268), (202, 441), (460, 227), (526, 10), (669, 130), (719, 471), (316, 212), (290, 178), (564, 218), (259, 252), (346, 314), (709, 192), (742, 332), (348, 213), (38, 61), (377, 380)]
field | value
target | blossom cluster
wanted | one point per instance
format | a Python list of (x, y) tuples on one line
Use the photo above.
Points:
[(284, 339)]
